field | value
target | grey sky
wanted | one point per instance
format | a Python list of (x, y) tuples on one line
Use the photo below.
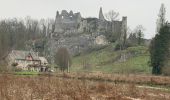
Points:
[(142, 12)]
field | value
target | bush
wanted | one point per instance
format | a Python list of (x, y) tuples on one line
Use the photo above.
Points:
[(119, 46), (14, 64)]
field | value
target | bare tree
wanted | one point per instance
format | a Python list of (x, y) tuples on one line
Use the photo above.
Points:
[(138, 28), (139, 33), (63, 59), (46, 26), (32, 26), (112, 15)]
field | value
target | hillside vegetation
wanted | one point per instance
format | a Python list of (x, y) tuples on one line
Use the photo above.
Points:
[(106, 60)]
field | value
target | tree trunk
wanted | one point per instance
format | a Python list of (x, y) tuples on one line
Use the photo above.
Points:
[(68, 67)]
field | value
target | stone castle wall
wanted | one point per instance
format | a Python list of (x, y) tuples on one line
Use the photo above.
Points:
[(73, 22), (67, 21), (79, 34)]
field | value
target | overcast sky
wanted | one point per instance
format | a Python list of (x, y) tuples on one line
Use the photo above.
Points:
[(139, 12)]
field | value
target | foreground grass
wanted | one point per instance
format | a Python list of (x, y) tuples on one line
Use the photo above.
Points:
[(54, 88), (107, 61)]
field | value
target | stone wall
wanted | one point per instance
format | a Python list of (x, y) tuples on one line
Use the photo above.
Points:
[(79, 34), (67, 21)]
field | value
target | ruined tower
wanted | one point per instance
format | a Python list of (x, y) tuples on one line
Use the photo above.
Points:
[(101, 16), (67, 22)]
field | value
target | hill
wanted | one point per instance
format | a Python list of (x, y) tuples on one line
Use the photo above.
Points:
[(107, 60)]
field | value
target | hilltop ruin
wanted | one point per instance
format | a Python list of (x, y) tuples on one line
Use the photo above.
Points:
[(79, 34)]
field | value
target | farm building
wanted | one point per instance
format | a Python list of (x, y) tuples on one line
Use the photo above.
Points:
[(27, 61)]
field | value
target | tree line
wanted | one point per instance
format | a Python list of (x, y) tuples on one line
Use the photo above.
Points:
[(15, 32)]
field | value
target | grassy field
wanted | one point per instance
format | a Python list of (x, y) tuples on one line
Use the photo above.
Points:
[(106, 60), (14, 87)]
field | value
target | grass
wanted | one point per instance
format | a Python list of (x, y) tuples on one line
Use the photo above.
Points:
[(26, 73), (106, 61), (133, 65), (14, 87)]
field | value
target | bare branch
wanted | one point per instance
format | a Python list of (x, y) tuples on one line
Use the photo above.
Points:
[(112, 15)]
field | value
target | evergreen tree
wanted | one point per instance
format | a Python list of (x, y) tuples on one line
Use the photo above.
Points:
[(159, 49), (159, 44), (140, 37), (161, 18)]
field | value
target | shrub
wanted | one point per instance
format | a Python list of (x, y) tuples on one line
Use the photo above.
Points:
[(119, 46), (14, 64)]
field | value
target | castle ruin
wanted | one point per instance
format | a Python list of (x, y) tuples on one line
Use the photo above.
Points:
[(69, 22), (78, 34)]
